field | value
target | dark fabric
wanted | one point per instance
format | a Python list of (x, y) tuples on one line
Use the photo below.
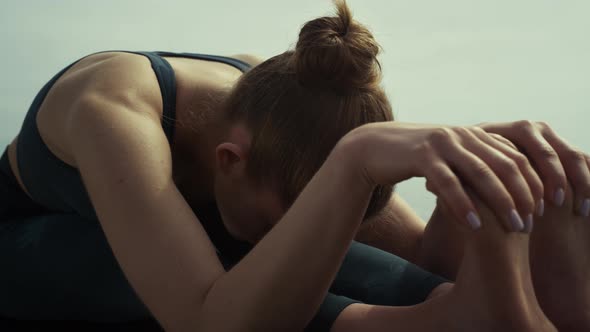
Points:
[(44, 280), (377, 277), (373, 276), (330, 309), (13, 201)]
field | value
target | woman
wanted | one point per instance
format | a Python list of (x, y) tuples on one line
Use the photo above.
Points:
[(217, 201)]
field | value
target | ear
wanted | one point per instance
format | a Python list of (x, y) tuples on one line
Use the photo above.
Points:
[(230, 158)]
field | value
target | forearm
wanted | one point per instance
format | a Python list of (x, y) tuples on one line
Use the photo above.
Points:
[(289, 271)]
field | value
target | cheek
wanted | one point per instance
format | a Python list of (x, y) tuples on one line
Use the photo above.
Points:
[(236, 212), (247, 211)]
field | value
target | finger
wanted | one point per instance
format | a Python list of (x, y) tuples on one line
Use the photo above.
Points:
[(575, 164), (485, 212), (507, 170), (533, 180), (443, 182), (444, 208), (503, 140), (486, 184), (489, 218), (546, 161)]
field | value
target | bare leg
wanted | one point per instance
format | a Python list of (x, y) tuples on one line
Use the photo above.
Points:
[(559, 256), (493, 292), (560, 261), (442, 246)]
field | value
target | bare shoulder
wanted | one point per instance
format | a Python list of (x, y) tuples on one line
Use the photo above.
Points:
[(127, 78), (251, 59), (116, 77), (120, 76)]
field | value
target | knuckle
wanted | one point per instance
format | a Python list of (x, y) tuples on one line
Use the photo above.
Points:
[(525, 125), (441, 135), (443, 179), (508, 167), (521, 160), (547, 152), (482, 170), (504, 141), (461, 131), (543, 125), (577, 155), (499, 137), (478, 130)]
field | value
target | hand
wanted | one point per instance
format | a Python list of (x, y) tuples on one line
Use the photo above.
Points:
[(443, 211), (555, 160), (449, 158)]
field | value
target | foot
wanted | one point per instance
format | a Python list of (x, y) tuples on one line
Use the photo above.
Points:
[(493, 289), (560, 264)]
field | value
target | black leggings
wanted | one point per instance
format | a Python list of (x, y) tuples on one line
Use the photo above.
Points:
[(56, 266)]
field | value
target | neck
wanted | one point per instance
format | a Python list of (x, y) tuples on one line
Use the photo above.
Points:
[(193, 151)]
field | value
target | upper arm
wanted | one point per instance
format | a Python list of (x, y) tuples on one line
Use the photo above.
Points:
[(396, 229), (125, 162)]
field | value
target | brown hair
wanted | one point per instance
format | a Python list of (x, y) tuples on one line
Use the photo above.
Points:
[(298, 104)]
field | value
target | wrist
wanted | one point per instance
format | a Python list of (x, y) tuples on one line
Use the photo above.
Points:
[(350, 155)]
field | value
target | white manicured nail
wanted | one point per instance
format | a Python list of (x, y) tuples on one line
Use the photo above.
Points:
[(517, 224), (541, 207), (559, 197), (473, 220), (585, 207), (528, 224)]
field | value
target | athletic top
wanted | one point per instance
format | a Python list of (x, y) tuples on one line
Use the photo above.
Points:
[(58, 186)]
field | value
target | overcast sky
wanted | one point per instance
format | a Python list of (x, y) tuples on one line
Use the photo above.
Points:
[(452, 62)]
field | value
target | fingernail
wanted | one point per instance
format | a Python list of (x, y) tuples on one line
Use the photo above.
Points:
[(559, 197), (516, 221), (585, 209), (473, 220), (541, 207), (528, 224)]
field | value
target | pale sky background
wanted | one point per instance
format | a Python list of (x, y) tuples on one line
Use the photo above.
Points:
[(454, 62)]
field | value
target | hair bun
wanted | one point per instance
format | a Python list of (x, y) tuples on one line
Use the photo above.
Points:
[(337, 53)]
